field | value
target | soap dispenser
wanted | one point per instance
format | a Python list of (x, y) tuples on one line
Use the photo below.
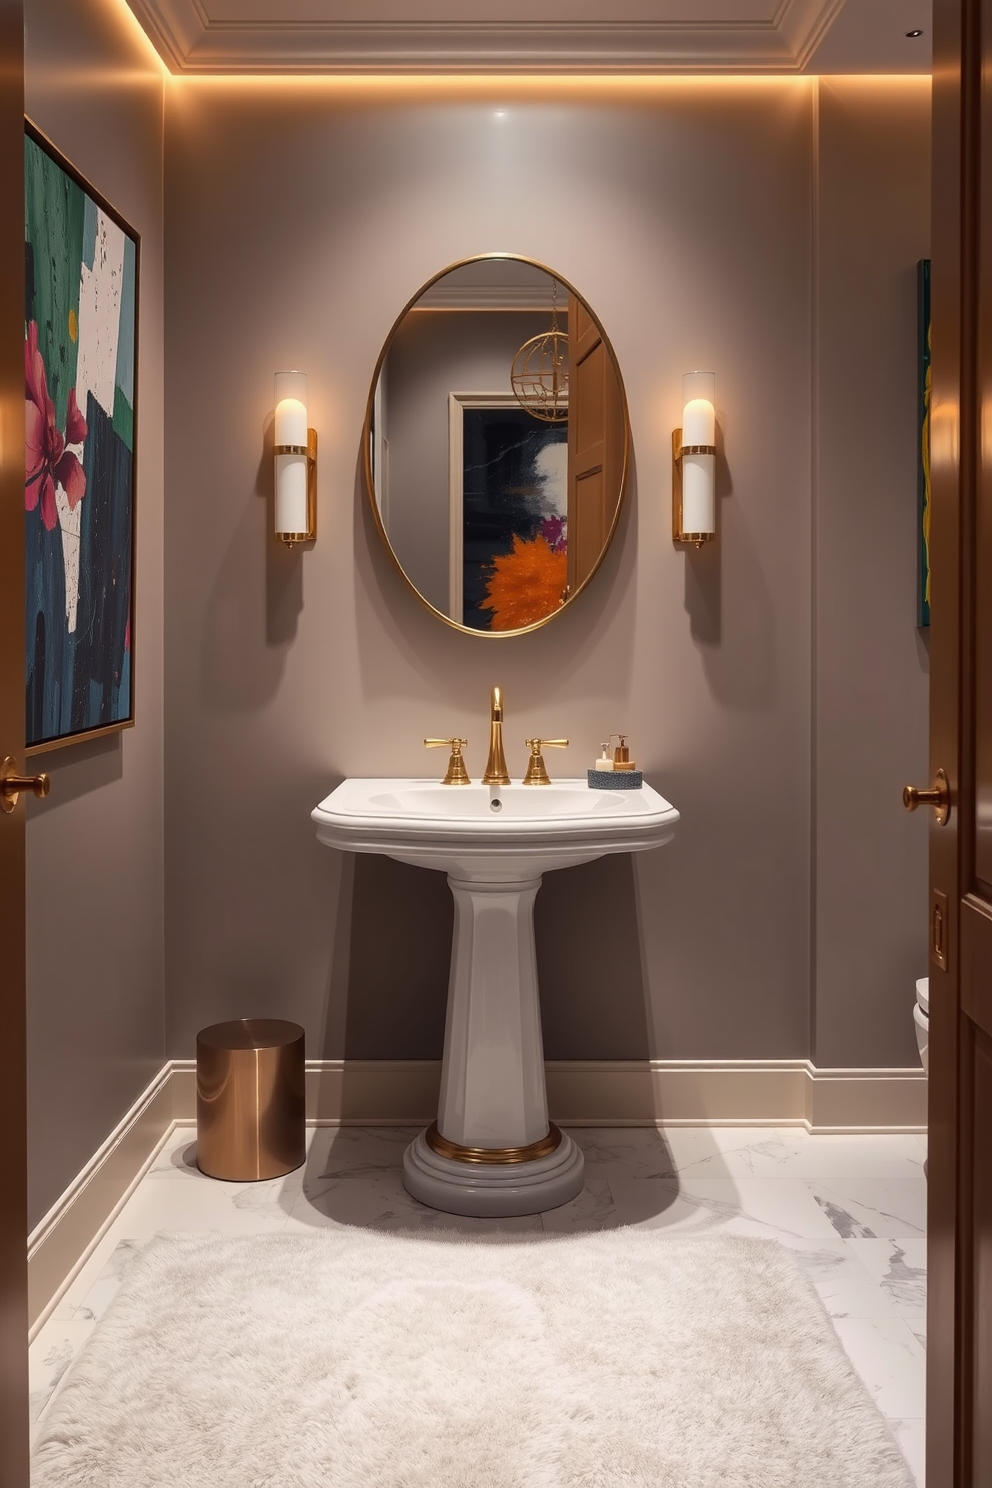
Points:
[(627, 775), (617, 771)]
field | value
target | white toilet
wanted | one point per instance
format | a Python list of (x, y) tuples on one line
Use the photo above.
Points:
[(921, 1014)]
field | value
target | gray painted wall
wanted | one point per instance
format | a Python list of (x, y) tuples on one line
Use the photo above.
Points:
[(709, 226), (95, 846), (872, 665)]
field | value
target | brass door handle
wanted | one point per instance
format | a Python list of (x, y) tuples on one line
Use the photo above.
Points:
[(938, 796), (11, 784)]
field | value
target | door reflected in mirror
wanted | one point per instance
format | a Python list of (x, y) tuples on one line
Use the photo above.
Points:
[(496, 444)]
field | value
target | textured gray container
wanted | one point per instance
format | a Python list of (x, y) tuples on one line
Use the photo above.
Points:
[(615, 779)]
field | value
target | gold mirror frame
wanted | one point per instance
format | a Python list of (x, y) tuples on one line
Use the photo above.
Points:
[(367, 436)]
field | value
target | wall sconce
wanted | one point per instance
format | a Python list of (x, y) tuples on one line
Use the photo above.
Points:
[(295, 450), (694, 462)]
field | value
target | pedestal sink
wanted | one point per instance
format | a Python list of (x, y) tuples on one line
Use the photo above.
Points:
[(492, 1150)]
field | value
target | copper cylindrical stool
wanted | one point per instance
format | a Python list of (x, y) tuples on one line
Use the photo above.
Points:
[(250, 1109)]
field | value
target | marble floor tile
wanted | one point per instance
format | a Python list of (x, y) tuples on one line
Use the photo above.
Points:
[(380, 1202), (325, 1202), (103, 1291), (63, 1312), (843, 1285), (918, 1328), (898, 1268), (89, 1272), (911, 1434), (866, 1209), (177, 1158), (792, 1152), (624, 1152), (50, 1355), (208, 1204), (592, 1209), (889, 1360), (774, 1208), (433, 1225), (357, 1151)]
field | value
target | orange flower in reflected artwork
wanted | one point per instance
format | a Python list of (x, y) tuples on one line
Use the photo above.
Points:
[(527, 584)]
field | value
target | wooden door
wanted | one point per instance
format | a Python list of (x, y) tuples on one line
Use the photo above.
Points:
[(595, 443), (959, 1374), (13, 1208)]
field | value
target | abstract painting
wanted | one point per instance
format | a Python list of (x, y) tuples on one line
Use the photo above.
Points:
[(80, 345), (515, 504), (923, 446)]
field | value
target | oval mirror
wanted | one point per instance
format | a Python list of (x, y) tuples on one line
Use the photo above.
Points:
[(496, 444)]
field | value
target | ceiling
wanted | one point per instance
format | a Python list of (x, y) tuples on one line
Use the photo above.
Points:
[(538, 36)]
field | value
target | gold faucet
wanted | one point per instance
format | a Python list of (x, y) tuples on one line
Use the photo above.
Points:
[(496, 763)]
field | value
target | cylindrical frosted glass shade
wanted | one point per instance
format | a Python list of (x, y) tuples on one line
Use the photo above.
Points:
[(291, 408), (698, 411), (291, 492), (698, 491)]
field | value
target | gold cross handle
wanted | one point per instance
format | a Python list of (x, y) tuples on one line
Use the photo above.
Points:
[(457, 773), (537, 773)]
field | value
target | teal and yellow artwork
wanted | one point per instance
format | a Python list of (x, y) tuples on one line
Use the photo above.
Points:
[(923, 447), (80, 325)]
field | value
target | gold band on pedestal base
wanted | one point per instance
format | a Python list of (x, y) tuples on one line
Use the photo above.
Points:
[(457, 1153)]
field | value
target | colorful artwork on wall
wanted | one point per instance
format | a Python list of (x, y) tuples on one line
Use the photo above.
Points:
[(515, 502), (80, 357), (923, 447)]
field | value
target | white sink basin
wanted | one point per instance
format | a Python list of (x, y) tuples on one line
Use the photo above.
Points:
[(492, 1150), (492, 833)]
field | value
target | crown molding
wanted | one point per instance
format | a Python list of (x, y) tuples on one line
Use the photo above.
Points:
[(262, 36)]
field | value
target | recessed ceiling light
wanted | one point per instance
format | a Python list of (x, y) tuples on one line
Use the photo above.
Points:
[(914, 33)]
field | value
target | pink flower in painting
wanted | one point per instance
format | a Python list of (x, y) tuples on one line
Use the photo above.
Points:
[(46, 458), (553, 532)]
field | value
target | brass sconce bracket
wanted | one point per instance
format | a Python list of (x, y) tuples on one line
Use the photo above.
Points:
[(678, 450), (310, 450)]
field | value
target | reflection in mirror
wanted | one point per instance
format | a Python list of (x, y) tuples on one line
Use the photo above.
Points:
[(496, 444)]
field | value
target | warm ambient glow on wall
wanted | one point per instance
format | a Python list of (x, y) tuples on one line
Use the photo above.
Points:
[(694, 462), (134, 27), (295, 449)]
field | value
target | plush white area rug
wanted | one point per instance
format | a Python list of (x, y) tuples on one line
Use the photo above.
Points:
[(353, 1359)]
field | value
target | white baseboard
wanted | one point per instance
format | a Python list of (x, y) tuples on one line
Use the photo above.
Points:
[(404, 1092), (623, 1092), (61, 1243)]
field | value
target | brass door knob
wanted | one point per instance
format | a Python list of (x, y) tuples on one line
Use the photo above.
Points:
[(938, 796), (11, 784)]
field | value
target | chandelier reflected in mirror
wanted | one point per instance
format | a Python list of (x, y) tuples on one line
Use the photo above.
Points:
[(539, 375)]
